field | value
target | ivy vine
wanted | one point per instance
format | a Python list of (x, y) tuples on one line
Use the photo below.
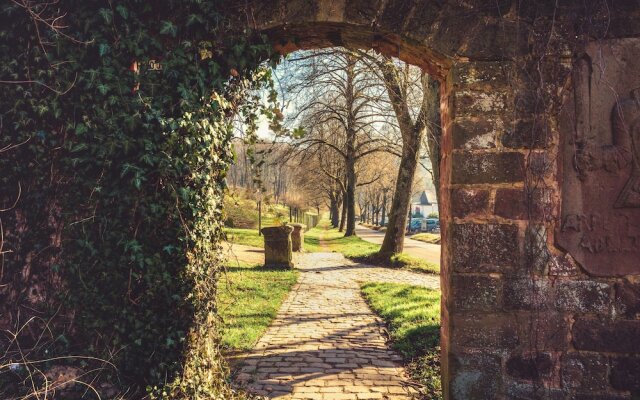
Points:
[(115, 137)]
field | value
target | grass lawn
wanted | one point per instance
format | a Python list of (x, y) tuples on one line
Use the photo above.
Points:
[(360, 250), (433, 238), (247, 237), (412, 314), (249, 297)]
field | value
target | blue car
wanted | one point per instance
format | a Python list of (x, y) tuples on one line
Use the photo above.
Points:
[(432, 225), (416, 225)]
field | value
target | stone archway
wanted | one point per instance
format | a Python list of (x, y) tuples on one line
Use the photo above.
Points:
[(520, 318)]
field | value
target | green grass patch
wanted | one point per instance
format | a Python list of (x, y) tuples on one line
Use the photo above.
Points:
[(312, 238), (412, 314), (249, 297), (247, 237), (433, 238)]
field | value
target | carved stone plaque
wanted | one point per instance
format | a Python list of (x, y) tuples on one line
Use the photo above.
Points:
[(600, 167)]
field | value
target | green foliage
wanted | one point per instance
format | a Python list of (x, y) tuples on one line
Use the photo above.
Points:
[(117, 147), (433, 215), (240, 212), (246, 237), (413, 316), (249, 299)]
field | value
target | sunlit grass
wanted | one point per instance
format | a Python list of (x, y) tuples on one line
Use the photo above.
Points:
[(247, 237), (433, 238), (249, 297), (412, 314), (360, 250)]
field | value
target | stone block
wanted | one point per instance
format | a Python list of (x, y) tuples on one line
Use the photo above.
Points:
[(540, 165), (301, 10), (484, 247), (473, 361), (606, 336), (548, 331), (511, 203), (361, 11), (563, 265), (523, 204), (487, 168), (479, 102), (600, 396), (474, 292), (625, 374), (474, 133), (485, 331), (422, 19), (627, 299), (526, 294), (585, 371), (297, 237), (536, 252), (395, 13), (277, 246), (496, 40), (583, 296), (522, 390), (476, 375), (475, 385), (533, 366), (473, 74), (528, 134), (465, 202)]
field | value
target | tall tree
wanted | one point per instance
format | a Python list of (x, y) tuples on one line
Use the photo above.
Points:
[(342, 108), (413, 129)]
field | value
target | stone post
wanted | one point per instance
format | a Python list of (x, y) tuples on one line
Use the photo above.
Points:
[(277, 246), (297, 237)]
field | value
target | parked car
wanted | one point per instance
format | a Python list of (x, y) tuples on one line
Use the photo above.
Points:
[(431, 225), (415, 224)]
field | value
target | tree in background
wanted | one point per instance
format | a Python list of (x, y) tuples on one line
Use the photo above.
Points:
[(341, 107)]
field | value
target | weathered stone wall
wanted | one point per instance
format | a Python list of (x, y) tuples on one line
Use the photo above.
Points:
[(522, 319)]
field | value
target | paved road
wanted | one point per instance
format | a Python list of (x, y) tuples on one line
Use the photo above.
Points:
[(415, 248), (325, 342)]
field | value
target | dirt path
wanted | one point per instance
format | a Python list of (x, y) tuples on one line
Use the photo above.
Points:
[(326, 343)]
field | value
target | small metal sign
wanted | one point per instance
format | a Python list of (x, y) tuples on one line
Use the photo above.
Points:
[(155, 65)]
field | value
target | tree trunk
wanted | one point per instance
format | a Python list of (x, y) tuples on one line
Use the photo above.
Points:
[(394, 237), (343, 213), (334, 211), (434, 135), (384, 207)]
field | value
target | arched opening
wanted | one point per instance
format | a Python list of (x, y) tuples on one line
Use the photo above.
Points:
[(538, 185), (320, 335)]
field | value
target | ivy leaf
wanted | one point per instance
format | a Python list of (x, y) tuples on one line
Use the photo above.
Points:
[(106, 14), (168, 28), (124, 13), (103, 49), (81, 129)]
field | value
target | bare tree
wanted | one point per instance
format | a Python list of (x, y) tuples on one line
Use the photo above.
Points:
[(342, 108), (413, 123)]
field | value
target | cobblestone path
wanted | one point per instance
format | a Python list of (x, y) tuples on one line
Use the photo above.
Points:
[(326, 343)]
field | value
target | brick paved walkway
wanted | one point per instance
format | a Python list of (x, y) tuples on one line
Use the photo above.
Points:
[(326, 343)]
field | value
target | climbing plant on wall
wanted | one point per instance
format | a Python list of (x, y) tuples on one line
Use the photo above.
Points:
[(115, 122)]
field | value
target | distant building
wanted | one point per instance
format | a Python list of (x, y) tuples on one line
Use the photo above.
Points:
[(421, 206)]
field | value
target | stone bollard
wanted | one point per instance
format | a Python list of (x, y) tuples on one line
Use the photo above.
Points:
[(277, 246), (297, 237)]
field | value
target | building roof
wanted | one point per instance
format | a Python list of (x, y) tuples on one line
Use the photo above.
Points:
[(424, 199)]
